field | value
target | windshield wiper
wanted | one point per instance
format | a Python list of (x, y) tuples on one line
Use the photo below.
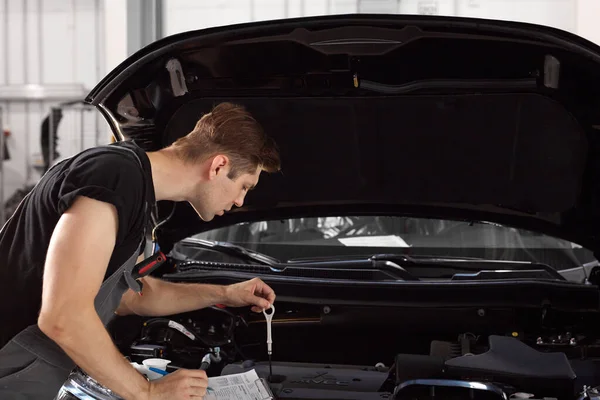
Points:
[(388, 265), (233, 250), (470, 264), (401, 266)]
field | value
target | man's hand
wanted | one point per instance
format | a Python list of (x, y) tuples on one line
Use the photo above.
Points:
[(254, 293), (181, 384)]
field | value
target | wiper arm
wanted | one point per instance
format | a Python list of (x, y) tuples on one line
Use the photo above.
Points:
[(233, 250), (471, 264), (394, 268)]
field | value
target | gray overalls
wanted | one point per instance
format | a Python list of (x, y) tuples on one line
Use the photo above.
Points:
[(34, 367)]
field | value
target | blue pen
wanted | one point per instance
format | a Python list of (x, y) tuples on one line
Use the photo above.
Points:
[(158, 371)]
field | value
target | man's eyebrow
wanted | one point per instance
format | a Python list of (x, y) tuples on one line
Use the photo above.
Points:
[(251, 187)]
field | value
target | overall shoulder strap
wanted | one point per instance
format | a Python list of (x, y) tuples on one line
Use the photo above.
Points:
[(147, 206)]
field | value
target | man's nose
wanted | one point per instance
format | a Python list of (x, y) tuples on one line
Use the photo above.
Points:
[(239, 201)]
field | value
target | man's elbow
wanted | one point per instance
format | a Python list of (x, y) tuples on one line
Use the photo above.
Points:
[(128, 305), (59, 325), (144, 305), (52, 326)]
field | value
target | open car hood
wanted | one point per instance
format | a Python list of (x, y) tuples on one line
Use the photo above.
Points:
[(385, 114)]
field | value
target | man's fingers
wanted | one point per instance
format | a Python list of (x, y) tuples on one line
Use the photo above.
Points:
[(199, 394), (196, 382), (257, 301), (266, 291), (271, 297), (199, 383), (194, 377), (254, 293), (181, 384), (194, 373), (269, 294), (199, 386)]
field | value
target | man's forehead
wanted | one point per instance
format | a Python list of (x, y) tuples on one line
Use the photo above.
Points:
[(251, 179)]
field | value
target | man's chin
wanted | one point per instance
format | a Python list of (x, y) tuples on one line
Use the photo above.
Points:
[(206, 218)]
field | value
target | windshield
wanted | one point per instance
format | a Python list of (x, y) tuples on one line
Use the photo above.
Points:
[(342, 236)]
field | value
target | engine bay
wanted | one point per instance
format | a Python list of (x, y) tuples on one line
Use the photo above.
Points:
[(349, 352)]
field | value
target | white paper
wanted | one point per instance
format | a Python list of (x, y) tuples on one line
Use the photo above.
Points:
[(244, 386), (374, 241)]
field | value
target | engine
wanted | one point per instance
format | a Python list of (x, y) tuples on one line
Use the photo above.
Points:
[(495, 366), (508, 368)]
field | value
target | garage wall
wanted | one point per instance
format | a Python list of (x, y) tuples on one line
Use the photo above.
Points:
[(54, 48), (50, 41), (588, 13), (183, 15)]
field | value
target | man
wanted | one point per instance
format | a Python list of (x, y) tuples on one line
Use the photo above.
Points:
[(66, 249)]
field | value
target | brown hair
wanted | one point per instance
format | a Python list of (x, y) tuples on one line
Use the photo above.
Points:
[(231, 130)]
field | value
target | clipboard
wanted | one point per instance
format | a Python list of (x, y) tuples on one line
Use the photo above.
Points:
[(263, 386), (243, 386)]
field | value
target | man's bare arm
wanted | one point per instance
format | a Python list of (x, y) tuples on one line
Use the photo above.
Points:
[(160, 298), (78, 255)]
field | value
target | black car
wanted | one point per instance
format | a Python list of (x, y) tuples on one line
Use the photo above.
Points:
[(435, 229)]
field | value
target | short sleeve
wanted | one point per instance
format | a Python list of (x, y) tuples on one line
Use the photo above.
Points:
[(112, 178)]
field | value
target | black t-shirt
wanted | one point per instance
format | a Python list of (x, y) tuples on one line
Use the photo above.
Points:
[(104, 173)]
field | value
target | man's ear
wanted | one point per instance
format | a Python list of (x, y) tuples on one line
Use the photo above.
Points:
[(219, 165)]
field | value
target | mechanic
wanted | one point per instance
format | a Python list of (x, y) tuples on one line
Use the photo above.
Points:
[(66, 249)]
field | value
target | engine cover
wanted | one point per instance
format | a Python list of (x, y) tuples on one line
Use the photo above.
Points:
[(512, 362), (318, 381)]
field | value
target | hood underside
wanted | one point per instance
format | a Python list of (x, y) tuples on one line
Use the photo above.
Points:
[(385, 114)]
